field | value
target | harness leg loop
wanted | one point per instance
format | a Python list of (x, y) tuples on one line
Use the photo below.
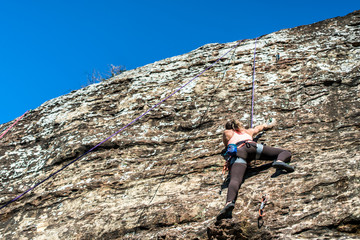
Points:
[(259, 149)]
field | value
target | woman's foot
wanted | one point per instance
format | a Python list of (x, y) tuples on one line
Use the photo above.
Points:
[(283, 166), (226, 212)]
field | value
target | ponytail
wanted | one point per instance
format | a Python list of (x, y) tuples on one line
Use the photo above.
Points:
[(234, 124)]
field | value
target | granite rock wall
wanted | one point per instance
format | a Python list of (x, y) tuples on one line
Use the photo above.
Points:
[(160, 177)]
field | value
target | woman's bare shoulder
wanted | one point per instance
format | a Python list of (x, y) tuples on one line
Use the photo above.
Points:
[(227, 135), (228, 132)]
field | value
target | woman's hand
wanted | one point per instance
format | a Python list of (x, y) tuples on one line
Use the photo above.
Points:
[(272, 123)]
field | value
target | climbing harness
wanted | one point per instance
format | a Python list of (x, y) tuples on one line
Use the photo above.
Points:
[(229, 154), (123, 128), (3, 134)]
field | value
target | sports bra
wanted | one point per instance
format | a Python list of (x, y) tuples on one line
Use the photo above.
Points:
[(238, 137)]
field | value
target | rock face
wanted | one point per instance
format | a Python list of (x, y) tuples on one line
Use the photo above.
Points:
[(160, 177)]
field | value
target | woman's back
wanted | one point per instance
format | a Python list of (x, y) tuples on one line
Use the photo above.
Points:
[(233, 137)]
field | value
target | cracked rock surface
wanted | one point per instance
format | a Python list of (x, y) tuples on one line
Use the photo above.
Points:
[(160, 177)]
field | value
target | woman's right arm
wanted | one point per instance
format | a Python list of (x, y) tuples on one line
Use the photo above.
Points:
[(261, 127)]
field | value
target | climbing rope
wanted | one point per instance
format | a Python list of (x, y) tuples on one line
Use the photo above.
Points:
[(7, 130), (253, 89), (123, 128)]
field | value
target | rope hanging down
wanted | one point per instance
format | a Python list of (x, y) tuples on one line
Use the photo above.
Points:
[(3, 134), (123, 128), (253, 89)]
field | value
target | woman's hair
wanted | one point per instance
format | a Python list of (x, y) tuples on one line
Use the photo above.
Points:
[(234, 124)]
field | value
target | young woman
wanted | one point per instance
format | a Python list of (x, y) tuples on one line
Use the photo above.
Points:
[(248, 150)]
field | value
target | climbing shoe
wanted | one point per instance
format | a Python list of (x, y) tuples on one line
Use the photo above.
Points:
[(226, 212), (283, 166)]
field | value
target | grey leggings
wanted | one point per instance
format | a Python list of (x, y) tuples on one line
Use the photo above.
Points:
[(248, 153)]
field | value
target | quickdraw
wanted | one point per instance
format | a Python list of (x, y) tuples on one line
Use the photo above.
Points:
[(264, 200)]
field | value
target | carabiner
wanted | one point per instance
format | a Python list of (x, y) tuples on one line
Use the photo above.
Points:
[(264, 199)]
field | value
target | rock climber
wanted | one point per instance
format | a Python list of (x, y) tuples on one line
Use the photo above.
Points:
[(247, 150)]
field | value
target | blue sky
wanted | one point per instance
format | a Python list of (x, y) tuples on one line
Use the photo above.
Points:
[(49, 47)]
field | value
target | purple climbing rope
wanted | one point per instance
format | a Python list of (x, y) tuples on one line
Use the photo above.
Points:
[(253, 89), (123, 128), (3, 134)]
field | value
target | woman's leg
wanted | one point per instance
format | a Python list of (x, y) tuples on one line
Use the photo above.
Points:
[(237, 173), (280, 157), (271, 153)]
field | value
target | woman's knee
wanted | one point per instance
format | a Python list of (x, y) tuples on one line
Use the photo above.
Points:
[(285, 156)]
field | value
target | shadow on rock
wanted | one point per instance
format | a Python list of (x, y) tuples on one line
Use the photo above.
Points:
[(253, 171), (227, 229), (278, 173)]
